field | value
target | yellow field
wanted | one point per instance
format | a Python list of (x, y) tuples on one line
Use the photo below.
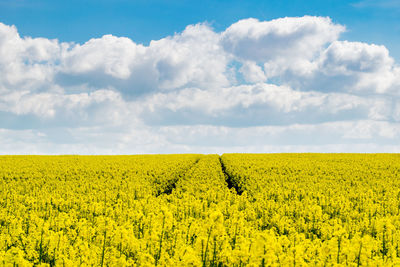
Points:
[(197, 210)]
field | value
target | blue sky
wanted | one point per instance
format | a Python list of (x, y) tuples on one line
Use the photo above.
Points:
[(125, 77), (145, 20)]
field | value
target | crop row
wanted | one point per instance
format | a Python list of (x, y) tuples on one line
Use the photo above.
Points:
[(197, 210), (344, 207)]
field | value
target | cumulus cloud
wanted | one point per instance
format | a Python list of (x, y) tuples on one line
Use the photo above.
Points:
[(368, 66), (260, 104), (279, 85), (190, 58), (261, 41), (281, 44), (252, 72), (99, 107), (26, 62)]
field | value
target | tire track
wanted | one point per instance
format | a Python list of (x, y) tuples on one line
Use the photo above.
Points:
[(229, 179), (172, 183)]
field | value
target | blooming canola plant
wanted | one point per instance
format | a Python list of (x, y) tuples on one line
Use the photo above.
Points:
[(200, 210)]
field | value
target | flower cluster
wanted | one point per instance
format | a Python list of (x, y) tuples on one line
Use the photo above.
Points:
[(200, 210)]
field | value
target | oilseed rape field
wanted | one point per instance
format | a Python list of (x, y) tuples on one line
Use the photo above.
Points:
[(200, 210)]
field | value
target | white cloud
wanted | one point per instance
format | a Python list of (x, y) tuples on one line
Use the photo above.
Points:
[(25, 62), (109, 55), (281, 44), (260, 104), (190, 58), (103, 107), (346, 132), (287, 38), (369, 66), (262, 86), (342, 136), (252, 72)]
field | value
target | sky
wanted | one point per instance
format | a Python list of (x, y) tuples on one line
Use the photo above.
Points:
[(149, 76)]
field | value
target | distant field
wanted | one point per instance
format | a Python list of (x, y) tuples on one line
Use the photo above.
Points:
[(200, 210)]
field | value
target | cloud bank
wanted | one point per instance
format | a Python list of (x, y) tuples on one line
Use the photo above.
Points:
[(285, 85)]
